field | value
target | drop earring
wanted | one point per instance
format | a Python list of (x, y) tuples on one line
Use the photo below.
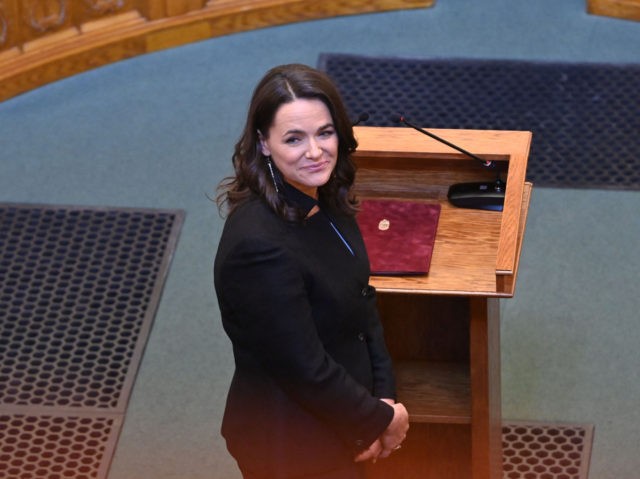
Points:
[(273, 177)]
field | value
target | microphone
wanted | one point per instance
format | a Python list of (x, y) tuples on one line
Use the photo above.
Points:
[(479, 196), (401, 119), (364, 116)]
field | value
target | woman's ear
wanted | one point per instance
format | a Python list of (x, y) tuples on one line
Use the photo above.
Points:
[(264, 147)]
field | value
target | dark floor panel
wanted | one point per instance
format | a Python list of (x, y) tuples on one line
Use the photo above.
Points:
[(78, 291), (56, 446), (79, 288), (585, 118)]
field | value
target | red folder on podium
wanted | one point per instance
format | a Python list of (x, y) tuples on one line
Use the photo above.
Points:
[(399, 235)]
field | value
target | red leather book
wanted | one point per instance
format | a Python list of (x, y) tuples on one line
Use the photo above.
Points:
[(399, 235)]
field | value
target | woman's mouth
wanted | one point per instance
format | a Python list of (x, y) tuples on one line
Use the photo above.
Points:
[(314, 167)]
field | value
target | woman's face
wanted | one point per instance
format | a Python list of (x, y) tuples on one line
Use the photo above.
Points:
[(303, 144)]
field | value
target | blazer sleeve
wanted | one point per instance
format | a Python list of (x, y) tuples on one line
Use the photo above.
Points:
[(262, 292)]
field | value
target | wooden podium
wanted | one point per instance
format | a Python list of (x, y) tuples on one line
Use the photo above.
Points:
[(443, 329)]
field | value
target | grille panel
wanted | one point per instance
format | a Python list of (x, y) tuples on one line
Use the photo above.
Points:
[(75, 289), (546, 450), (79, 287), (34, 446)]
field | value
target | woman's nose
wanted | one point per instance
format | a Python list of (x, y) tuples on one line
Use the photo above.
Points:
[(314, 150)]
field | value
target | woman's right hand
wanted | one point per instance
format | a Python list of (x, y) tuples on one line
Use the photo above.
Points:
[(370, 454), (396, 432)]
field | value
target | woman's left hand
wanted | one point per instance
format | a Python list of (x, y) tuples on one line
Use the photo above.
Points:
[(370, 454), (373, 452)]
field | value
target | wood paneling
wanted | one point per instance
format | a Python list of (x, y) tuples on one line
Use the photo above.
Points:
[(627, 9), (427, 454), (9, 34), (45, 40)]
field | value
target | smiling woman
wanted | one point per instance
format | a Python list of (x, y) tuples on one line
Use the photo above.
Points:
[(313, 392)]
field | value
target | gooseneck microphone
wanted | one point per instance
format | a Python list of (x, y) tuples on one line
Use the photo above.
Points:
[(480, 196), (402, 119)]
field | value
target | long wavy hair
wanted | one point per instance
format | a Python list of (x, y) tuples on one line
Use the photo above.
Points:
[(280, 85)]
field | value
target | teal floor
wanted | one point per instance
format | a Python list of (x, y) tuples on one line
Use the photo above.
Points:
[(158, 131)]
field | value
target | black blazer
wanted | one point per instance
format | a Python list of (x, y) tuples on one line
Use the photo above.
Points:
[(308, 345)]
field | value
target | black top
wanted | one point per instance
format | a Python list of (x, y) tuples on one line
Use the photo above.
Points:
[(311, 363)]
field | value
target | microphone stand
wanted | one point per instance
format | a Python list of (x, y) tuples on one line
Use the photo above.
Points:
[(479, 195)]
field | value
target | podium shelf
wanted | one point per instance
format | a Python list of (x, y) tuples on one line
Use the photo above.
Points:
[(435, 392)]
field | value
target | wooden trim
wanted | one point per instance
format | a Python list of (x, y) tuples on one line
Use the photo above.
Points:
[(506, 282), (72, 48), (627, 9), (510, 228), (486, 416)]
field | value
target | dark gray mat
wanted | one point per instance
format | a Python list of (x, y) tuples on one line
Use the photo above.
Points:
[(79, 288), (585, 118)]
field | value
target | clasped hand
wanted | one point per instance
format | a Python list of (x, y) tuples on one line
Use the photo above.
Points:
[(391, 438)]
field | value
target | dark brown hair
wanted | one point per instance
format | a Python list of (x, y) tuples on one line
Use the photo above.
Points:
[(280, 85)]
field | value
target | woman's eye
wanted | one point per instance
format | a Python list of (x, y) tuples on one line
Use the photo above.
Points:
[(327, 133), (292, 140)]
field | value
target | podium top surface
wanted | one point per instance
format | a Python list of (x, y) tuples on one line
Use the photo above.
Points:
[(476, 252)]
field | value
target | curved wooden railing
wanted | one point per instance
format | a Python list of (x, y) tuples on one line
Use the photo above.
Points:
[(627, 9), (46, 40)]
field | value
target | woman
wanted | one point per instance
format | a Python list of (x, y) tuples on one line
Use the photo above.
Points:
[(313, 392)]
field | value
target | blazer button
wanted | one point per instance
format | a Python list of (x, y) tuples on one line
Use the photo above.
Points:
[(361, 336), (359, 443), (368, 290)]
